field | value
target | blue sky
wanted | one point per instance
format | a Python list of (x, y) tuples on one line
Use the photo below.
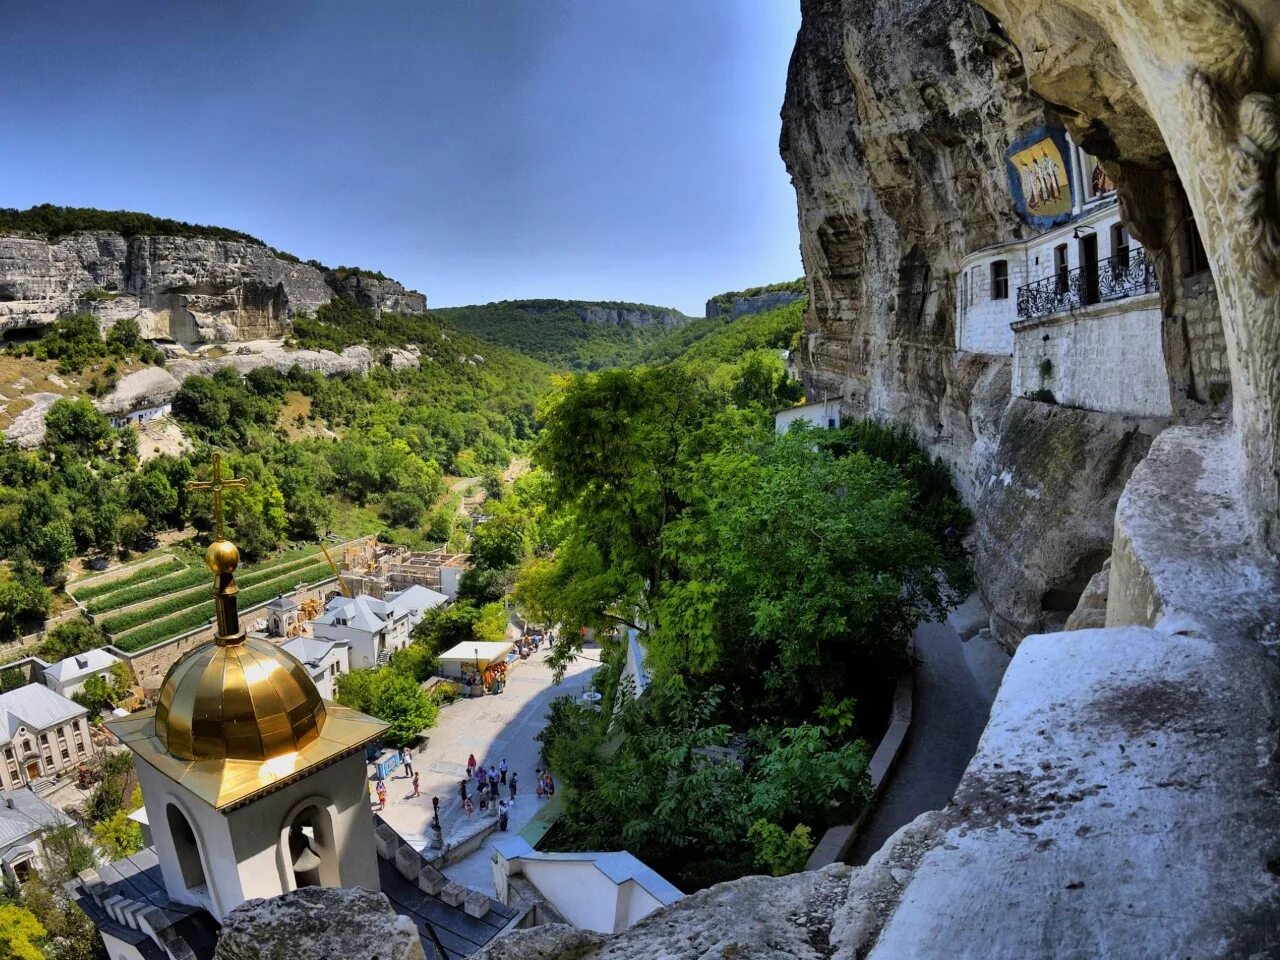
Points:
[(474, 149)]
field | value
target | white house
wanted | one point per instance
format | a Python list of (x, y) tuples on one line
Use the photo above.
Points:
[(817, 413), (325, 659), (42, 734), (67, 677), (476, 655), (373, 629), (24, 817)]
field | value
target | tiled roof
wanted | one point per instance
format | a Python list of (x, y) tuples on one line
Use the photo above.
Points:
[(137, 881), (36, 707), (361, 613)]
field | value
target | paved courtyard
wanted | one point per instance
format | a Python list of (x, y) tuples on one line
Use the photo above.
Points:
[(491, 727)]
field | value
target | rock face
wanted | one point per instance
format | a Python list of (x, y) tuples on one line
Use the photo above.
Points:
[(377, 294), (148, 387), (895, 125), (621, 316), (1045, 515), (745, 306), (319, 922), (271, 353), (187, 289)]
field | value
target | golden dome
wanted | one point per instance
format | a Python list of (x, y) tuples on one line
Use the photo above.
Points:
[(237, 701), (222, 557)]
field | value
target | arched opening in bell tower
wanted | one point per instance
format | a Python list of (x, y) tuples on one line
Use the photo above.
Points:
[(310, 853), (187, 849)]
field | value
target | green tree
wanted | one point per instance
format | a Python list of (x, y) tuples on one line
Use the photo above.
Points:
[(152, 495), (445, 627), (391, 696), (118, 836), (76, 423), (96, 696), (20, 934), (778, 852), (69, 638), (125, 336), (402, 509)]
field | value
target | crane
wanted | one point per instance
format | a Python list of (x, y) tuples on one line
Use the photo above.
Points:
[(342, 584)]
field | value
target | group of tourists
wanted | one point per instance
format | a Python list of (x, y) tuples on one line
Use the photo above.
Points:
[(488, 783), (380, 785)]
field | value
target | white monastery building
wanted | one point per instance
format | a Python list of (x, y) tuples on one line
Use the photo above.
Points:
[(373, 629), (42, 734), (68, 677)]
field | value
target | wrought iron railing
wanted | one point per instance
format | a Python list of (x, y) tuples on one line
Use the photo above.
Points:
[(1126, 275)]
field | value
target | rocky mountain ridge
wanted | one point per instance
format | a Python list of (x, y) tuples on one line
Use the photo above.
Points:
[(189, 289)]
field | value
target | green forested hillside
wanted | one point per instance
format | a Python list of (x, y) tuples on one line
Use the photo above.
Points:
[(723, 340), (557, 333)]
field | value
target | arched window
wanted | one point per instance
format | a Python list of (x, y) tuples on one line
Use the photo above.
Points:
[(186, 848), (311, 856)]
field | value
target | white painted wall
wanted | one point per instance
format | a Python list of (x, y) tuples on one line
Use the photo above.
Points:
[(146, 415), (1106, 357), (241, 850), (586, 897), (363, 646), (450, 577), (819, 413), (119, 950)]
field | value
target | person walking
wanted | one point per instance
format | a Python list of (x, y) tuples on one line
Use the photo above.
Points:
[(467, 807), (462, 791), (471, 765), (502, 814), (539, 784), (551, 785), (493, 774), (484, 803), (511, 785), (382, 795), (493, 790), (406, 757), (416, 789), (502, 770)]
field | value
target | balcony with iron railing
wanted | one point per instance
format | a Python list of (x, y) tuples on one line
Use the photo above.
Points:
[(1128, 274)]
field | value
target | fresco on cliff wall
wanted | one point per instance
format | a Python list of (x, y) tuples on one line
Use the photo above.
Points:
[(1040, 177), (1097, 183)]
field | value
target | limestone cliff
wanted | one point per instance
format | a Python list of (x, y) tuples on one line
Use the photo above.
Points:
[(188, 289), (376, 293), (896, 120), (740, 305)]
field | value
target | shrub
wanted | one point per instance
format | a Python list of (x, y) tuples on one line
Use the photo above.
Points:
[(778, 852)]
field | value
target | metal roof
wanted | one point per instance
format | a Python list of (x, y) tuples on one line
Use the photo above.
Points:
[(81, 665), (22, 813), (36, 707)]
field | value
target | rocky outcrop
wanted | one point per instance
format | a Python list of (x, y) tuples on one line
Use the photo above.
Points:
[(1045, 513), (187, 289), (148, 387), (251, 356), (734, 307), (27, 428), (616, 316), (318, 922), (376, 293)]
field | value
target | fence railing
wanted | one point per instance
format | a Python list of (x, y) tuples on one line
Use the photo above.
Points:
[(1128, 274)]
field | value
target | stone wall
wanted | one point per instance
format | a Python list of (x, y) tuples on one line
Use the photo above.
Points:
[(1198, 311), (1106, 357)]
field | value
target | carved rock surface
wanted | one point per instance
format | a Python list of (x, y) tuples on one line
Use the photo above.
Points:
[(148, 387), (319, 922)]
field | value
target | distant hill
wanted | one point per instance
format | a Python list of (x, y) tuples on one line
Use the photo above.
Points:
[(568, 334), (737, 303), (722, 339)]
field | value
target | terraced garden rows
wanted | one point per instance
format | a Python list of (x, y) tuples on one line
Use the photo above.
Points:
[(189, 616), (92, 591), (185, 590)]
